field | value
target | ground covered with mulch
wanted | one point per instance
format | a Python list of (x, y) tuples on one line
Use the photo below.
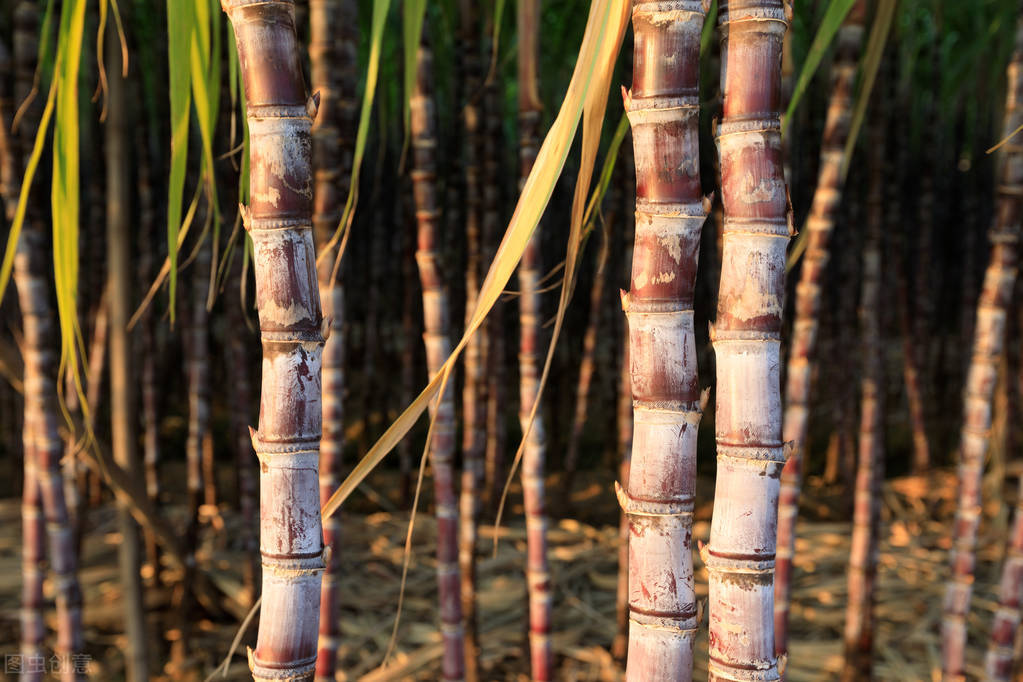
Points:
[(584, 563)]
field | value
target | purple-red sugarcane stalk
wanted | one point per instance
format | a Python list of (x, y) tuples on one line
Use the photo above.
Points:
[(474, 393), (586, 368), (287, 442), (436, 323), (493, 475), (819, 225), (33, 627), (248, 491), (43, 446), (862, 575), (326, 27), (746, 338), (988, 341), (1000, 653), (538, 577), (663, 109)]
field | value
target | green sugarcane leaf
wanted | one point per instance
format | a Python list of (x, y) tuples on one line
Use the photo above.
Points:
[(65, 195), (709, 22), (179, 36), (832, 21)]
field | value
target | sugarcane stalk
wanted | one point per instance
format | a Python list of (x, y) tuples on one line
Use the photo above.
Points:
[(325, 21), (287, 442), (474, 393), (988, 341), (238, 373), (619, 647), (663, 108), (42, 417), (862, 574), (493, 477), (1000, 654), (538, 577), (746, 336), (436, 317), (819, 225), (150, 394), (122, 401), (587, 365), (33, 627)]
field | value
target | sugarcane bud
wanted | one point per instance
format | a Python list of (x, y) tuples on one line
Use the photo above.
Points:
[(787, 5), (325, 327), (254, 437), (327, 553), (710, 331), (789, 213), (626, 98), (700, 607), (708, 202), (783, 661), (244, 213), (704, 399), (312, 105), (788, 449), (625, 299), (704, 551), (623, 499)]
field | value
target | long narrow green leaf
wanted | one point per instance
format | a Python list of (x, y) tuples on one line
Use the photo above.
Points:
[(64, 191), (709, 23), (179, 36), (832, 21)]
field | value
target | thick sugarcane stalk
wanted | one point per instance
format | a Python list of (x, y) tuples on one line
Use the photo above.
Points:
[(1000, 653), (862, 574), (474, 393), (746, 337), (819, 225), (538, 577), (436, 317), (42, 418), (663, 108), (287, 442), (122, 400), (325, 25), (988, 341)]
